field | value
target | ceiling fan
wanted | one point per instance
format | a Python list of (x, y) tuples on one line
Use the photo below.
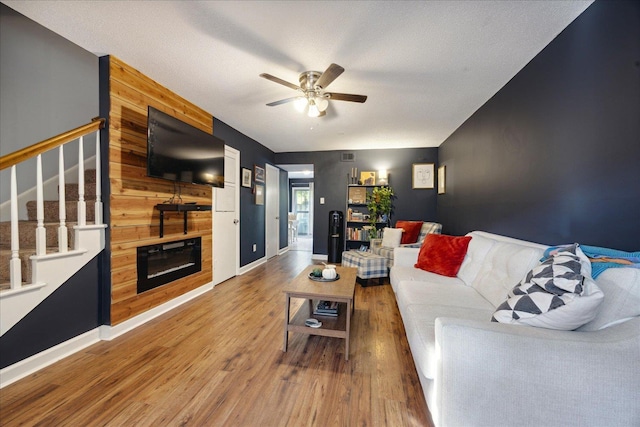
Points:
[(313, 99)]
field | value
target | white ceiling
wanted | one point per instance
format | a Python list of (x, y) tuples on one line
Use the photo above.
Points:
[(426, 66)]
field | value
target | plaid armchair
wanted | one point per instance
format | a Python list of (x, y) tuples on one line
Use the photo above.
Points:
[(427, 228)]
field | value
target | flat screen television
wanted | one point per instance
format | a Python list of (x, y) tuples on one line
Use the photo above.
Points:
[(180, 152)]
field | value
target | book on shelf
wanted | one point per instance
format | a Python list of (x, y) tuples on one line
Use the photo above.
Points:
[(326, 308)]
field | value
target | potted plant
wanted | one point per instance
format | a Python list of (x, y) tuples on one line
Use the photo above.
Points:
[(379, 205)]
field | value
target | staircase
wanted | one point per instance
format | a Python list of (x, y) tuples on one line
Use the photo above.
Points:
[(27, 229), (56, 238)]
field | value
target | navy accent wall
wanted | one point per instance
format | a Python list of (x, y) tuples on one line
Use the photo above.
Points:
[(554, 156), (69, 311), (252, 226), (330, 182)]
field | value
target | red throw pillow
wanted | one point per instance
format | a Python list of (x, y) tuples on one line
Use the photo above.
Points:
[(411, 230), (442, 254)]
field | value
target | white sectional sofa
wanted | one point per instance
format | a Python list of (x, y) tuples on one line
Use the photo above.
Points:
[(475, 372)]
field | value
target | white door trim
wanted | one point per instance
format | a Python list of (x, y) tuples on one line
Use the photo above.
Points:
[(272, 213)]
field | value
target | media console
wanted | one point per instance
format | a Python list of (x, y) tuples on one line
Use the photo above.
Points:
[(187, 207)]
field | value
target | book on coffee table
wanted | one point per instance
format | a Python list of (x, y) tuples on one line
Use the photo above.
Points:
[(326, 308)]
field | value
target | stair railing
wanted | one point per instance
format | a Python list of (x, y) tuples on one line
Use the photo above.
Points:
[(36, 150)]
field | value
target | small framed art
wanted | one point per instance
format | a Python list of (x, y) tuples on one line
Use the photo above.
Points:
[(441, 177), (259, 194), (246, 177), (422, 176), (258, 173)]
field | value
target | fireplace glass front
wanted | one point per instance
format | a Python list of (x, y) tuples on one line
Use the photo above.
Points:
[(165, 262)]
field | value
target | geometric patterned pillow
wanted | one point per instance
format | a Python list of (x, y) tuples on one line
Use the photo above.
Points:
[(559, 293)]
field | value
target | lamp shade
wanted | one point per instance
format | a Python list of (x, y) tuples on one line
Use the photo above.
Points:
[(313, 109), (322, 103)]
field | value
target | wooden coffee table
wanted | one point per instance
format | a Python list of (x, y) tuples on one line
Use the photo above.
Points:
[(341, 290)]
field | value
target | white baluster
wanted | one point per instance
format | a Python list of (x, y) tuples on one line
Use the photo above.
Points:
[(41, 234), (98, 205), (82, 205), (15, 270), (62, 213)]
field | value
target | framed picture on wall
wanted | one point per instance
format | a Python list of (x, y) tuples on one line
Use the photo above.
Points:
[(441, 184), (368, 178), (246, 177), (259, 173), (422, 176), (259, 194)]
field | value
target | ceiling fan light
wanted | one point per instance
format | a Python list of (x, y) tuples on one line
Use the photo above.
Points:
[(300, 103), (313, 110), (322, 103)]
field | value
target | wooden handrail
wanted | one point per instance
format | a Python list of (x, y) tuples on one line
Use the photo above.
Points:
[(48, 144)]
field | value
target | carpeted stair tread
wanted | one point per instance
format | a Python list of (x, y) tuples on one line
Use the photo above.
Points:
[(27, 234), (5, 257), (51, 210), (71, 192)]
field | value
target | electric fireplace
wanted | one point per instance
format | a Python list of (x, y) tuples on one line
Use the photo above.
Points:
[(165, 262)]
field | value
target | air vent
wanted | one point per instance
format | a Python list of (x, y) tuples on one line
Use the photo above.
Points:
[(348, 157)]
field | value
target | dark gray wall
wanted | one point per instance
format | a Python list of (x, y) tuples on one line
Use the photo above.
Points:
[(49, 85), (330, 182), (252, 226), (554, 156)]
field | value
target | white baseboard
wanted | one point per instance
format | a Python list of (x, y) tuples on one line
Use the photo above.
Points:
[(283, 250), (107, 332), (252, 265), (320, 257), (26, 367)]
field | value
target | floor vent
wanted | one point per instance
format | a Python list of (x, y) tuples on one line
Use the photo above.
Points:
[(348, 157)]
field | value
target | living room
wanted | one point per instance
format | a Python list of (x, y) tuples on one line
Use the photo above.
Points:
[(552, 157)]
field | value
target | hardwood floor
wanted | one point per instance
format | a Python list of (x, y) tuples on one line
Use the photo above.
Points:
[(218, 360)]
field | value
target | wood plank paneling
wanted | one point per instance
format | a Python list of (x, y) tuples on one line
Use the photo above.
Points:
[(134, 221)]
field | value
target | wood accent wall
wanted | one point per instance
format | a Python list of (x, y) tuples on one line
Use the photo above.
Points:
[(134, 220)]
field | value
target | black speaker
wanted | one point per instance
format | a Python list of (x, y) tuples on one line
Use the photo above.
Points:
[(336, 237)]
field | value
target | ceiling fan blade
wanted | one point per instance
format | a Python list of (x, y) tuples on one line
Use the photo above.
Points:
[(282, 101), (329, 75), (278, 80), (346, 97)]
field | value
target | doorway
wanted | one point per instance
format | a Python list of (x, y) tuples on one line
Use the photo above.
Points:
[(300, 206)]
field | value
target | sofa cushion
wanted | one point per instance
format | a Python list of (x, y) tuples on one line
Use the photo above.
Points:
[(391, 237), (401, 273), (410, 230), (442, 254), (421, 303), (440, 290), (478, 249), (503, 267), (621, 289), (559, 293)]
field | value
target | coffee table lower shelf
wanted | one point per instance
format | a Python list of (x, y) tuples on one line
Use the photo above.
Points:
[(335, 327), (332, 326)]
